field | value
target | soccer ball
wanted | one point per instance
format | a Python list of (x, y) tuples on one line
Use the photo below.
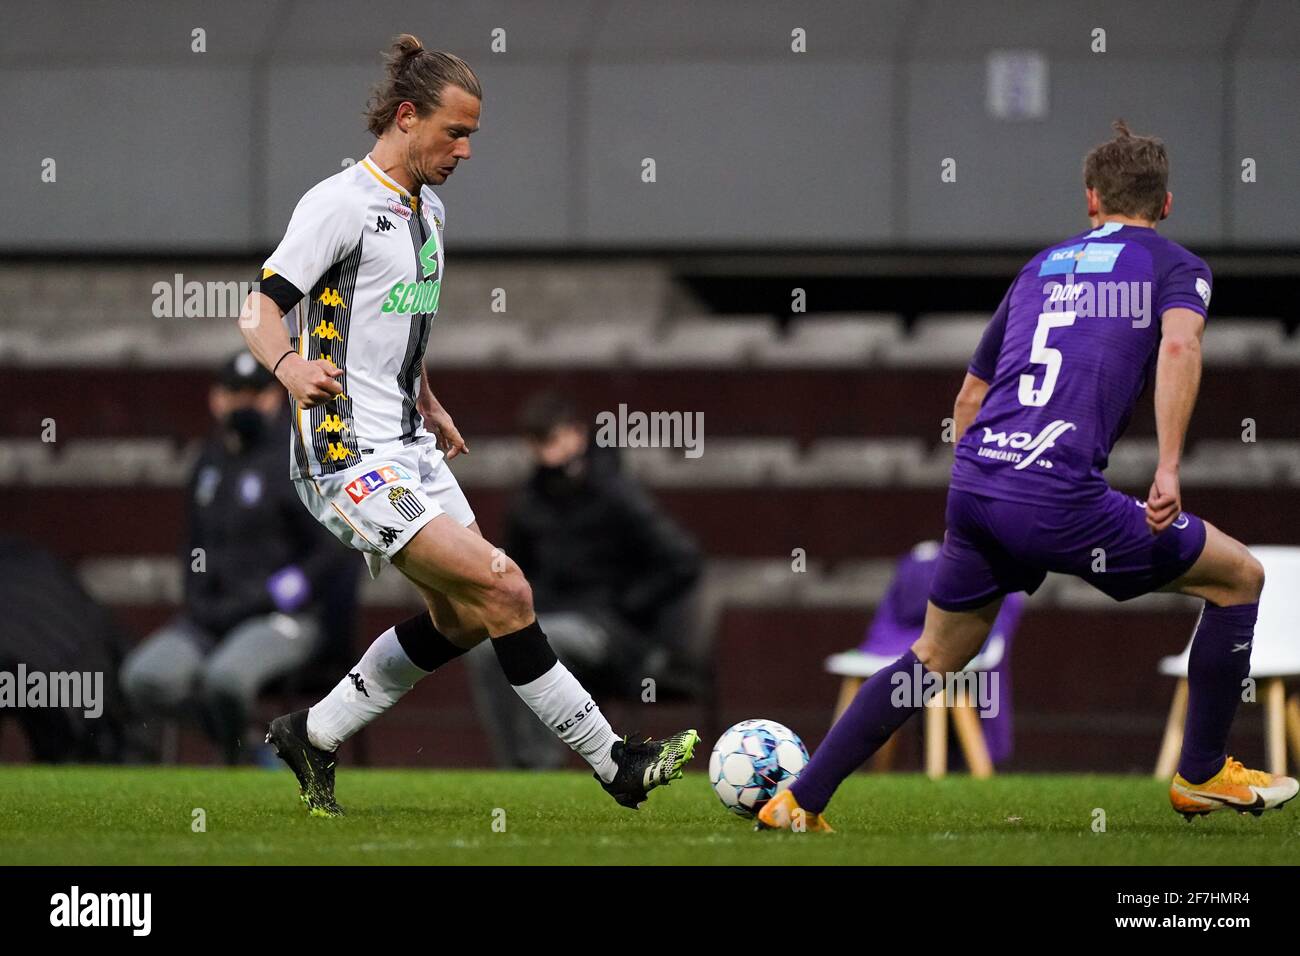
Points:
[(753, 762)]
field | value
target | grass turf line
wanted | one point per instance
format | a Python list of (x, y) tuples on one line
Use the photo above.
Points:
[(143, 815)]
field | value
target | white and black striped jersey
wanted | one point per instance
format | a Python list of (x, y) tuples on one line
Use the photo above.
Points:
[(358, 274)]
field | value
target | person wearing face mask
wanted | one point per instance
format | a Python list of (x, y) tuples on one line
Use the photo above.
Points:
[(254, 567), (612, 578)]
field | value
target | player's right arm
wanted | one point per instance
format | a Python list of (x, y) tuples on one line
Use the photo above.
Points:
[(261, 322), (980, 372), (325, 228), (968, 403), (1178, 377)]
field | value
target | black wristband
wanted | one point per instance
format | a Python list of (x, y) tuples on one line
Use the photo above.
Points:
[(281, 359)]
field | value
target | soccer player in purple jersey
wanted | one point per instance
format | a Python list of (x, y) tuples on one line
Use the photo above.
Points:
[(1050, 389)]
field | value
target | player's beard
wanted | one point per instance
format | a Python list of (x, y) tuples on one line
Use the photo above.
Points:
[(420, 175)]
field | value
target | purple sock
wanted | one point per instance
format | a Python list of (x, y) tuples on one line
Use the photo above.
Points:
[(1216, 669), (869, 721)]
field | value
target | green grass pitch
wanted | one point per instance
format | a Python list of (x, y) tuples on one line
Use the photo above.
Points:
[(82, 816)]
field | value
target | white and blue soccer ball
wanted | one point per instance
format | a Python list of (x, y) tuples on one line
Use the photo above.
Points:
[(754, 761)]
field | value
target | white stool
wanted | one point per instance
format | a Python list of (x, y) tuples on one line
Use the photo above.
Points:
[(854, 667)]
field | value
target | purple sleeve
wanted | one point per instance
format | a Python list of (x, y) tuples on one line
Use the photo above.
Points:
[(985, 360), (1185, 285)]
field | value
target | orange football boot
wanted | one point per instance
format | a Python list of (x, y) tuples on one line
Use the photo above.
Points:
[(783, 812), (1233, 788)]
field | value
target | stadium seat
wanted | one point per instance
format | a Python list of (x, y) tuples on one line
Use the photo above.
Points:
[(494, 463), (1285, 353), (478, 342), (938, 341), (721, 343), (1133, 463), (1240, 464), (726, 462), (586, 344), (1274, 656), (816, 341), (1241, 341)]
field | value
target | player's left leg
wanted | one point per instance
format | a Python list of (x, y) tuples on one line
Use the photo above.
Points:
[(974, 571), (1192, 557), (487, 588), (882, 705), (1230, 579)]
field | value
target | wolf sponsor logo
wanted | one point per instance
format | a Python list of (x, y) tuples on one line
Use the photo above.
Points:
[(75, 908), (1026, 448), (371, 481), (406, 503)]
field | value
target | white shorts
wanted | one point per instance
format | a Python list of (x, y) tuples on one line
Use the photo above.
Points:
[(377, 506)]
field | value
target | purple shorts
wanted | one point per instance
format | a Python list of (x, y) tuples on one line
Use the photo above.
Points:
[(997, 547)]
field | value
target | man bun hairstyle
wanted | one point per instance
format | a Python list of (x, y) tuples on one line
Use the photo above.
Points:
[(1130, 174), (416, 75)]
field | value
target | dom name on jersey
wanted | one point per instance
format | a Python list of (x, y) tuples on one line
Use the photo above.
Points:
[(413, 298), (1027, 448)]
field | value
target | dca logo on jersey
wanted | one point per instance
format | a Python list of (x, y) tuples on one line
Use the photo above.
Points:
[(1081, 258), (361, 489)]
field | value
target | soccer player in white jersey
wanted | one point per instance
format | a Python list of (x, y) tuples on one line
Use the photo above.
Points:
[(341, 318)]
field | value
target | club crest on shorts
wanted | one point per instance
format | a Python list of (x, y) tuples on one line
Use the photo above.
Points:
[(406, 503)]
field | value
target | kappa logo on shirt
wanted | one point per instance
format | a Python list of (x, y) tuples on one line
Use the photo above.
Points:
[(362, 487), (326, 330), (332, 297)]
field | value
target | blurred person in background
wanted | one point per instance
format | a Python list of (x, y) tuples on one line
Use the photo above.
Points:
[(613, 577), (256, 568)]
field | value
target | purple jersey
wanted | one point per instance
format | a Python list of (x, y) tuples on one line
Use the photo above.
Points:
[(1066, 356)]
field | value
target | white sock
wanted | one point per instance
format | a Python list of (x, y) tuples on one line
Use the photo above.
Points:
[(381, 678), (561, 703)]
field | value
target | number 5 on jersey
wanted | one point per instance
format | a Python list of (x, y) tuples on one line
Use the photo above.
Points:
[(1042, 354)]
